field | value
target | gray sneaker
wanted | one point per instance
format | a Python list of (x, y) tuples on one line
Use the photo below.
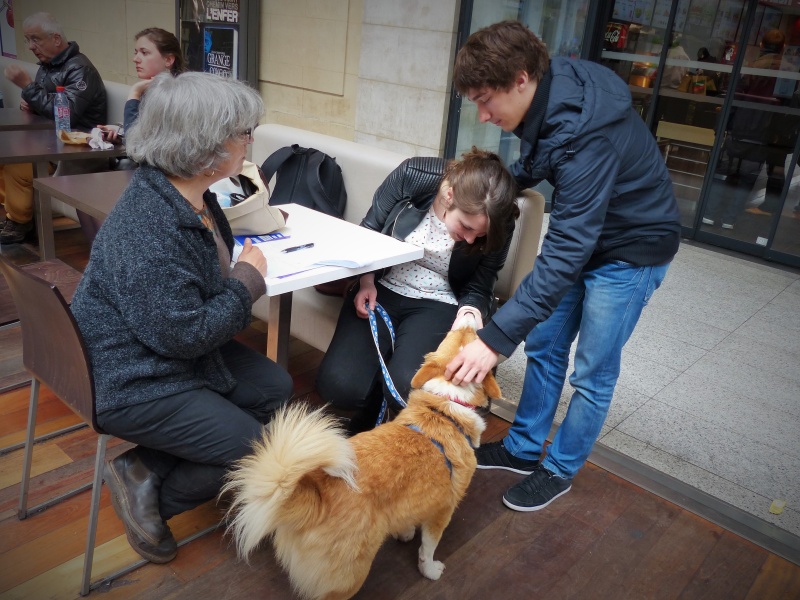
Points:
[(495, 456), (14, 233), (536, 491)]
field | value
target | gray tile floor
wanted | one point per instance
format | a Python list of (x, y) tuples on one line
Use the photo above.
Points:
[(710, 386)]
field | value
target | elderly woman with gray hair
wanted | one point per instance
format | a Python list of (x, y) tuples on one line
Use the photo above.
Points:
[(159, 305)]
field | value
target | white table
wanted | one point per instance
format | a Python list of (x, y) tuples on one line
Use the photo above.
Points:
[(333, 238)]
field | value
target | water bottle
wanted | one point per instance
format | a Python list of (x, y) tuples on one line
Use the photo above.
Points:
[(61, 110)]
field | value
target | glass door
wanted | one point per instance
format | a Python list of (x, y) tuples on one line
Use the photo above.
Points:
[(683, 101), (785, 244), (717, 82), (754, 191)]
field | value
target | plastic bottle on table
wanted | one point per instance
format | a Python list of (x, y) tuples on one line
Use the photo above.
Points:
[(61, 110)]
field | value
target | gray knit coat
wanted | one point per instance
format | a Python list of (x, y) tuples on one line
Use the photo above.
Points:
[(153, 306)]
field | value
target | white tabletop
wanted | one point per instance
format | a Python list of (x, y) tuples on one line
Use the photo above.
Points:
[(333, 239)]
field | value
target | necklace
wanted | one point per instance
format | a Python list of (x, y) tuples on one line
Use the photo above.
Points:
[(205, 218)]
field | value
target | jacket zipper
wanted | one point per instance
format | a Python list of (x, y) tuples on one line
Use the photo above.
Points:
[(394, 224)]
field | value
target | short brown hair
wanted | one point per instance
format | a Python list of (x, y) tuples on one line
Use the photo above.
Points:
[(494, 55), (482, 185)]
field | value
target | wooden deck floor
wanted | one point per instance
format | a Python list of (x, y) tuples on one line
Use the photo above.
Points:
[(605, 539)]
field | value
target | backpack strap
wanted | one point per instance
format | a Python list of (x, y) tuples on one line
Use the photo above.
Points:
[(274, 161), (324, 199), (315, 185)]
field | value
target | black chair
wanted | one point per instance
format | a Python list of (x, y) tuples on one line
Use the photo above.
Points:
[(65, 368)]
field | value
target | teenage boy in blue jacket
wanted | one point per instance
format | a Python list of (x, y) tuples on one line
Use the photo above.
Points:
[(614, 228)]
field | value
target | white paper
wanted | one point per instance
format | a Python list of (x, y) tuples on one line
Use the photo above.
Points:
[(342, 262), (280, 264)]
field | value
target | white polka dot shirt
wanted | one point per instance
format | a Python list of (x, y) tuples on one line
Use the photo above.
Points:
[(427, 276)]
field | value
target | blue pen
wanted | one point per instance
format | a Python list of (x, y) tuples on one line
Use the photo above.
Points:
[(296, 248)]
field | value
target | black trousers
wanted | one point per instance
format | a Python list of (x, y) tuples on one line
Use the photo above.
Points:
[(350, 376), (190, 439)]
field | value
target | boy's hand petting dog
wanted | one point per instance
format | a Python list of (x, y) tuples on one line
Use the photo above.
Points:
[(473, 363)]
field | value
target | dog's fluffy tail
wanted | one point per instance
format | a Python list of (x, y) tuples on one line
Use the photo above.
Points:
[(297, 442)]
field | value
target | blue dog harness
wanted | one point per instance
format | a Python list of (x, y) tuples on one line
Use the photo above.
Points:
[(438, 444)]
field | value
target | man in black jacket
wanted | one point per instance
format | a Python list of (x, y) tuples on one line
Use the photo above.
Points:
[(614, 228), (61, 64)]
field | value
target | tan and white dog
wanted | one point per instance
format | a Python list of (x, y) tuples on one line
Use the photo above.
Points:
[(329, 502)]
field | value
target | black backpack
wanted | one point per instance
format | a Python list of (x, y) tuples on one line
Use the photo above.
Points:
[(308, 177)]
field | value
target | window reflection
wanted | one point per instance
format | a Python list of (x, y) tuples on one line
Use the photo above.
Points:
[(691, 85), (756, 160), (753, 184)]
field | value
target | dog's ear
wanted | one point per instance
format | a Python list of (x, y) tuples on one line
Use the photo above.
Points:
[(427, 371), (490, 387)]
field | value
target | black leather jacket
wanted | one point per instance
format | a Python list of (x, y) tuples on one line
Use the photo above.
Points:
[(82, 83), (400, 204)]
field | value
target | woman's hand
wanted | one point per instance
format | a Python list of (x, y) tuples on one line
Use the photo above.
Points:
[(463, 315), (252, 255), (367, 293), (138, 89), (110, 133)]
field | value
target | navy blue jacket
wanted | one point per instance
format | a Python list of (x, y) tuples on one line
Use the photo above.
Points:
[(612, 197)]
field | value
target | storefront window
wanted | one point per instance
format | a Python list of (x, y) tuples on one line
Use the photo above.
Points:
[(691, 86), (717, 83), (727, 88), (752, 184)]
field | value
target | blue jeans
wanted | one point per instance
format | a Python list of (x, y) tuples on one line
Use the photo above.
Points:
[(604, 304)]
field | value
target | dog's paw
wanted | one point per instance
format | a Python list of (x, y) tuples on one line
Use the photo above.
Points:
[(405, 536), (432, 569)]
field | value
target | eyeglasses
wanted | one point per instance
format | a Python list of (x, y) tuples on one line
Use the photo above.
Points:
[(246, 135), (35, 40)]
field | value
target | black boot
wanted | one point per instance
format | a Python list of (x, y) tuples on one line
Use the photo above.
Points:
[(134, 495)]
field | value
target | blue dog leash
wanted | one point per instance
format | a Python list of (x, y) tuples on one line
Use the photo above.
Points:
[(373, 325)]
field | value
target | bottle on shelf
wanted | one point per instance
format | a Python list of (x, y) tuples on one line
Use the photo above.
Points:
[(61, 110)]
